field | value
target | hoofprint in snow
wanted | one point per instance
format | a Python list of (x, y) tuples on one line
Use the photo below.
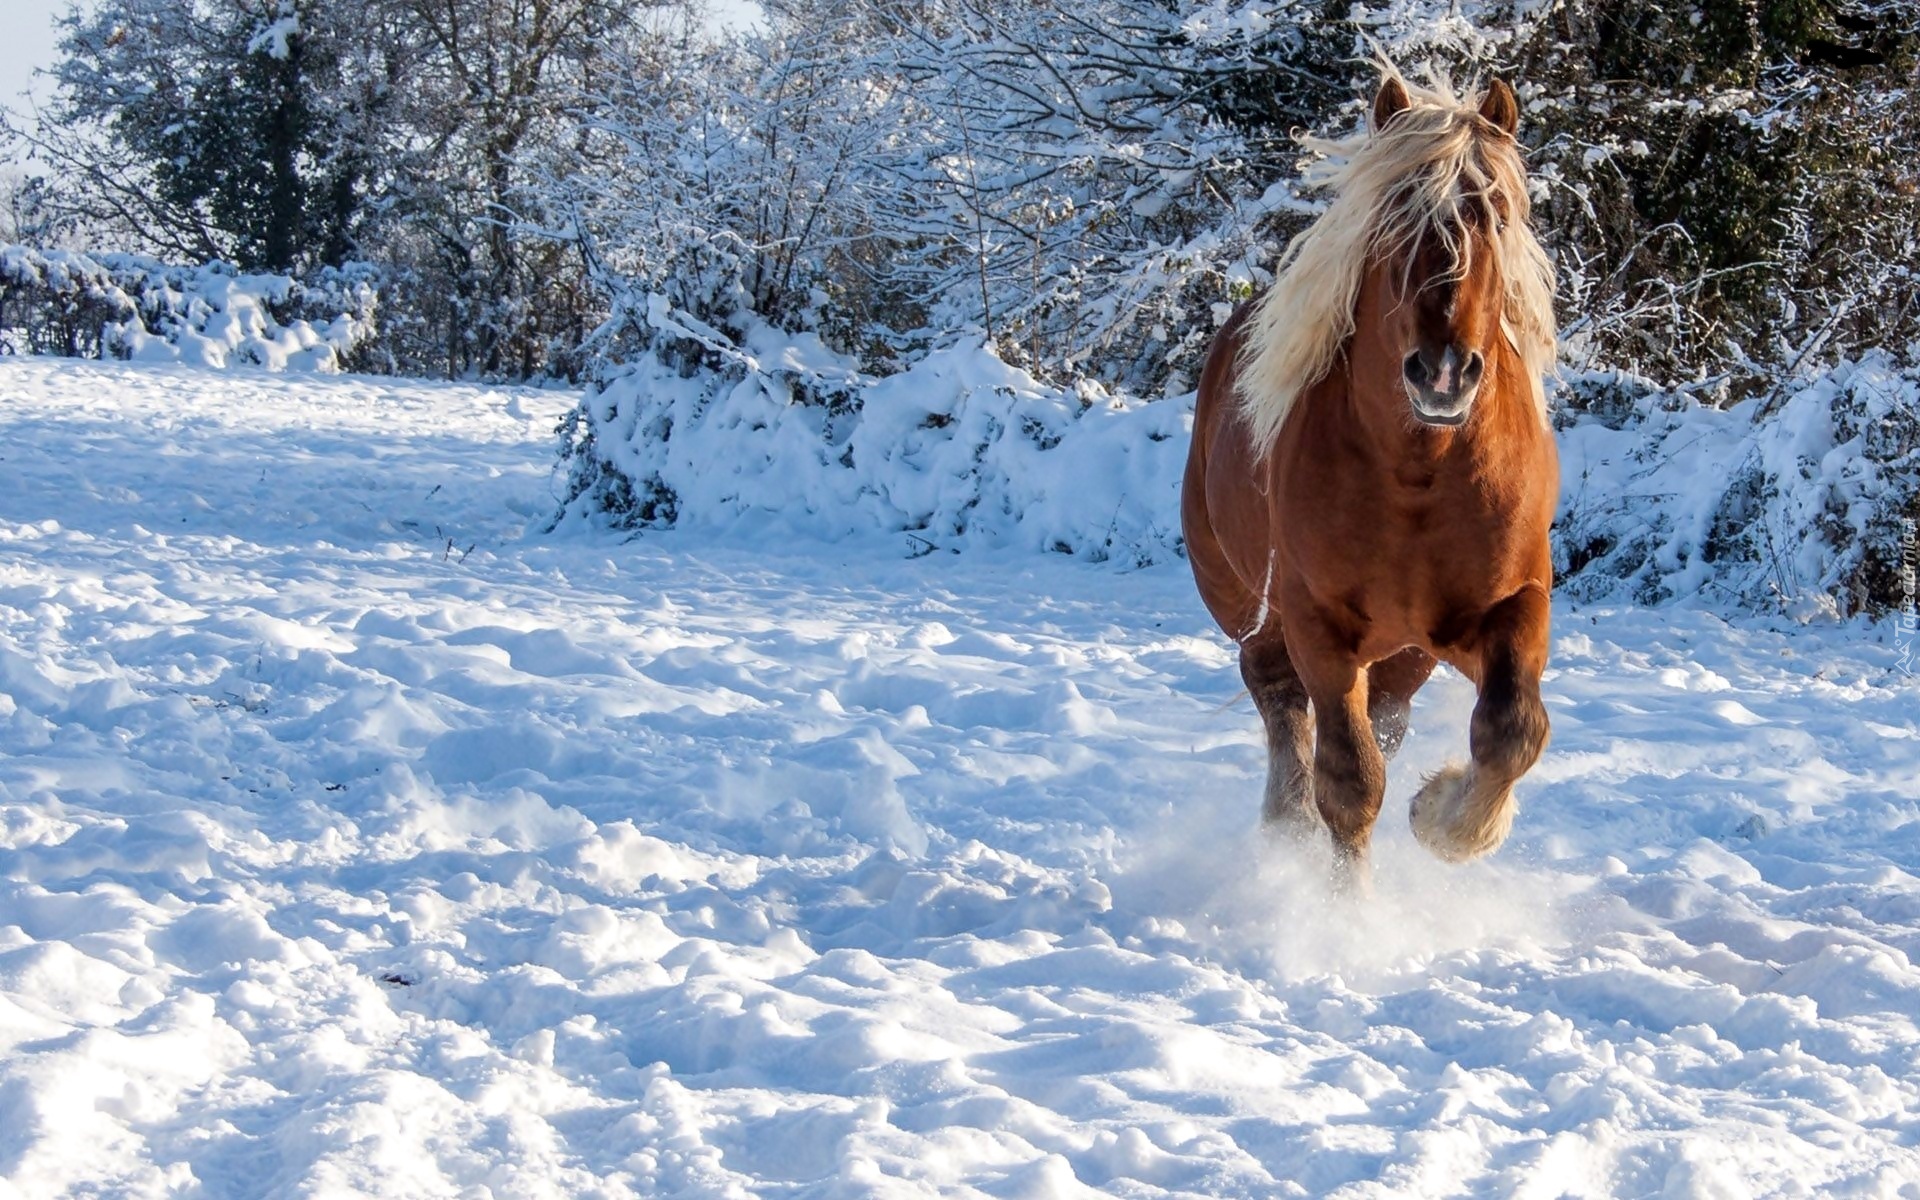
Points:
[(353, 841)]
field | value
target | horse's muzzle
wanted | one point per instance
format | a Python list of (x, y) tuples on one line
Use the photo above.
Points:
[(1441, 387)]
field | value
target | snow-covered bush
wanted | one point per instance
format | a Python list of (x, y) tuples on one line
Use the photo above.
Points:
[(134, 307), (960, 448), (1799, 499)]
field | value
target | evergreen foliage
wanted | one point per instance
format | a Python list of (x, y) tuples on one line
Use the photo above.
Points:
[(1736, 185), (222, 135)]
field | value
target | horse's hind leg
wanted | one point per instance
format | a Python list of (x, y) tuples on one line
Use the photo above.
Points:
[(1391, 683), (1282, 701), (1464, 812)]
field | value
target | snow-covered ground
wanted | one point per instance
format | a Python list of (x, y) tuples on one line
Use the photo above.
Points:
[(353, 841)]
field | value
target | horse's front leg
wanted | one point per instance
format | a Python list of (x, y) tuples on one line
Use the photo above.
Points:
[(1282, 700), (1349, 771), (1461, 813)]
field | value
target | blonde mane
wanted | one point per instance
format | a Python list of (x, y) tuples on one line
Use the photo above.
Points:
[(1436, 160)]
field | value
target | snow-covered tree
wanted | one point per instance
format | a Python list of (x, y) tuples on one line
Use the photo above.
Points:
[(1082, 185), (493, 86), (288, 134), (1733, 187), (1098, 179), (207, 128)]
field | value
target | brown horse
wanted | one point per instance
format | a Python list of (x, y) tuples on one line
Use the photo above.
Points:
[(1372, 475)]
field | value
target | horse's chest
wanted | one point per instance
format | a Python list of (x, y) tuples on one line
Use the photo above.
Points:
[(1426, 523), (1401, 562)]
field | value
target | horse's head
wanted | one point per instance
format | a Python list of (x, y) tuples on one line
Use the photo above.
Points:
[(1438, 280), (1423, 263)]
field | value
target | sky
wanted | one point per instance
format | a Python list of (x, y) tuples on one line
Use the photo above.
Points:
[(27, 38)]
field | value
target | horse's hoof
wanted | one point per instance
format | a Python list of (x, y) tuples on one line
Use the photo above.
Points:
[(1352, 875), (1449, 825), (1294, 823)]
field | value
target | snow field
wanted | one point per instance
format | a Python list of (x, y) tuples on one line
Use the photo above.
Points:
[(353, 842)]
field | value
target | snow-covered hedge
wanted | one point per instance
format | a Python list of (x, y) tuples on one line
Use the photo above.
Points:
[(1799, 500), (134, 307)]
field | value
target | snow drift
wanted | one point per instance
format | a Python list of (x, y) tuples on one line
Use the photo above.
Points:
[(1802, 499)]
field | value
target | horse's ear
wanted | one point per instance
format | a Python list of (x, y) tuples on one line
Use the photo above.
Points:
[(1389, 101), (1500, 109)]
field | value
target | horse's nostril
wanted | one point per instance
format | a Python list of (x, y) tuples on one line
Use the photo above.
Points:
[(1475, 365), (1416, 370)]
